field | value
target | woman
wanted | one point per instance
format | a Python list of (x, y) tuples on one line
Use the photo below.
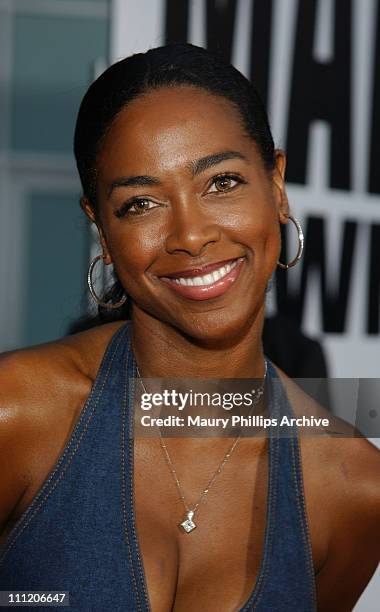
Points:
[(180, 175)]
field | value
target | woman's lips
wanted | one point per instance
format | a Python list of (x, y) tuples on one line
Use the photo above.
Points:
[(207, 291)]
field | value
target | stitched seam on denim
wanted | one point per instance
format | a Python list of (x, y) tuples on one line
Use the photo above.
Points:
[(273, 483), (300, 497), (123, 486), (132, 499), (254, 599), (257, 592), (39, 503), (273, 501)]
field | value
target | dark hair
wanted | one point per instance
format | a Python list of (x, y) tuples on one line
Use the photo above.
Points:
[(168, 66)]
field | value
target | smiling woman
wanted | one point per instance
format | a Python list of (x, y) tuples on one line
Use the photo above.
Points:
[(204, 201), (181, 177)]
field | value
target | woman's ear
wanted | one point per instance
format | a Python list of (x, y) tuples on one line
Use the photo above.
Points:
[(89, 212), (278, 177)]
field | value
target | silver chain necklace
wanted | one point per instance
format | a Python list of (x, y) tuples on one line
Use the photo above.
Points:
[(188, 524)]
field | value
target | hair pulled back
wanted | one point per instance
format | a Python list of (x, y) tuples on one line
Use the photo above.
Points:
[(167, 66)]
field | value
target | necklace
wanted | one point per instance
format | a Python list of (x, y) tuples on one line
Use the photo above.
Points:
[(188, 524)]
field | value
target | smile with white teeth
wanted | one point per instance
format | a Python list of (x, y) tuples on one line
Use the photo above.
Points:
[(206, 279)]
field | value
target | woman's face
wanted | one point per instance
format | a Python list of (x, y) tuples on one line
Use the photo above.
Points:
[(187, 212)]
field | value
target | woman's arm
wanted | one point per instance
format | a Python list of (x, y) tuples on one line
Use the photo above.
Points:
[(15, 430), (42, 390), (354, 542)]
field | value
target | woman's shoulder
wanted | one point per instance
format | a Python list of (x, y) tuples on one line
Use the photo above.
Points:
[(43, 389), (332, 447), (77, 356), (341, 474), (42, 384), (347, 470)]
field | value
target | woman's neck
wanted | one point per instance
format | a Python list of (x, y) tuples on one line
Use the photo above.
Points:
[(162, 351)]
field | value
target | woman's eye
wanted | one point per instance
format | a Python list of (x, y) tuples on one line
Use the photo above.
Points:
[(135, 207), (224, 183)]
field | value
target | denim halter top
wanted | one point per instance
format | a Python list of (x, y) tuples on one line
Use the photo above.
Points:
[(79, 532)]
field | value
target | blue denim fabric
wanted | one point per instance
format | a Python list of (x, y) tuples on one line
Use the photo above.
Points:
[(79, 533)]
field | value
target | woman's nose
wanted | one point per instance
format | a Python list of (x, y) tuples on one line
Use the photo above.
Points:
[(190, 231)]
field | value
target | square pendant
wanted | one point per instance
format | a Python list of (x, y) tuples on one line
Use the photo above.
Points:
[(188, 525)]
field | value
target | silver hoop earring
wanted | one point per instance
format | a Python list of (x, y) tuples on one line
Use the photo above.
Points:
[(93, 292), (301, 240)]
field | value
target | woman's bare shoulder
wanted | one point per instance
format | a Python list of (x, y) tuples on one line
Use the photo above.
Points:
[(351, 496), (341, 472), (39, 382), (333, 444), (42, 366), (43, 389)]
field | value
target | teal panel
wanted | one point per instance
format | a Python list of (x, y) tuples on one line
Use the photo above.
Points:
[(56, 264), (53, 64)]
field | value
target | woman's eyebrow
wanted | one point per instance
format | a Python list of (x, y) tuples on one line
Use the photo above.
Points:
[(132, 181), (198, 166), (195, 167)]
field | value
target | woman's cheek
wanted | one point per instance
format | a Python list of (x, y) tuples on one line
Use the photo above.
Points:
[(131, 242)]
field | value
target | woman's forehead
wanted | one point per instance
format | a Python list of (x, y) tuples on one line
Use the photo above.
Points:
[(173, 126)]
